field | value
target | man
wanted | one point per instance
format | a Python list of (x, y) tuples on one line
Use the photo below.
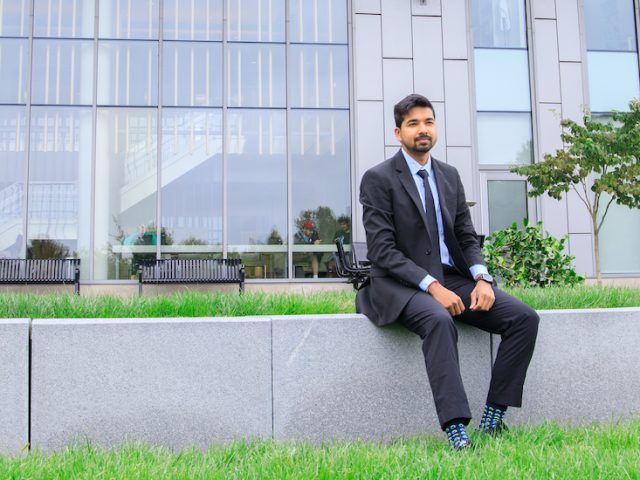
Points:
[(427, 269)]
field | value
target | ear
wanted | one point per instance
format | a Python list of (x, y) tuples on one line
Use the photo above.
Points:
[(396, 132)]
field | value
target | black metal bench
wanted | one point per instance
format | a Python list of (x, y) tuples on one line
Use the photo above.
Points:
[(37, 270), (223, 270), (353, 265)]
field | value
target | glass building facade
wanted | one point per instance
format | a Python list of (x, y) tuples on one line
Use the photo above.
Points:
[(139, 129), (136, 129)]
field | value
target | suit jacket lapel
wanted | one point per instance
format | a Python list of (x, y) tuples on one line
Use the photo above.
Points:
[(444, 210), (404, 175)]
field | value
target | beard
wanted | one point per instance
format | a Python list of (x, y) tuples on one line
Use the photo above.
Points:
[(418, 147)]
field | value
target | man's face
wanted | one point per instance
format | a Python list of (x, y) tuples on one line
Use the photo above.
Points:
[(418, 133)]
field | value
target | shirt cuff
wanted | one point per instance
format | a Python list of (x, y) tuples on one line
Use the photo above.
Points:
[(426, 282), (477, 270)]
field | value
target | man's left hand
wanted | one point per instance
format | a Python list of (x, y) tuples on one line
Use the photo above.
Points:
[(482, 297)]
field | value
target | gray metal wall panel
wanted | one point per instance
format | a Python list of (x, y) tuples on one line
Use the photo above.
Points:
[(581, 247), (547, 71), (572, 88), (440, 150), (14, 385), (553, 214), (398, 83), (579, 219), (428, 74), (569, 47), (390, 151), (369, 149), (549, 130), (396, 29), (454, 27), (544, 8), (367, 54), (458, 114), (432, 7), (461, 158), (366, 6)]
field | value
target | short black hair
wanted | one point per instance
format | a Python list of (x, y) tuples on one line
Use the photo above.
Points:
[(403, 107), (344, 219)]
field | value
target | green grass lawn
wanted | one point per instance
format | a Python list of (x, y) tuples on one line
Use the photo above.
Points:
[(195, 304), (548, 451)]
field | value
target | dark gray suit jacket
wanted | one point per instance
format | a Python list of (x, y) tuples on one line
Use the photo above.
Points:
[(398, 243)]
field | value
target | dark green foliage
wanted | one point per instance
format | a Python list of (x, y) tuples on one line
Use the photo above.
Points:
[(527, 257)]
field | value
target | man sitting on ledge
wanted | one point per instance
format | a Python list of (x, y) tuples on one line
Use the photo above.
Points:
[(427, 269)]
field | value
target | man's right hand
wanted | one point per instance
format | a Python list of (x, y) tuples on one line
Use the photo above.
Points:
[(445, 297)]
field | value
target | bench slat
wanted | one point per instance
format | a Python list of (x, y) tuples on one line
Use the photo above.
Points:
[(37, 270)]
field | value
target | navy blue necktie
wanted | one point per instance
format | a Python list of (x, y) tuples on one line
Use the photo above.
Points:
[(432, 223)]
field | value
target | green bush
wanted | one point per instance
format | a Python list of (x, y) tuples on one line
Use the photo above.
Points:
[(527, 257)]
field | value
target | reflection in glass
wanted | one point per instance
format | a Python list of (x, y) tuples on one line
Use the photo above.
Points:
[(71, 19), (320, 187), (13, 130), (129, 19), (257, 189), (256, 75), (507, 203), (62, 72), (125, 191), (499, 23), (619, 252), (191, 175), (60, 183), (610, 25), (14, 15), (613, 80), (504, 138), (192, 74), (128, 73), (318, 21), (14, 59), (318, 76), (193, 20), (256, 20), (502, 80)]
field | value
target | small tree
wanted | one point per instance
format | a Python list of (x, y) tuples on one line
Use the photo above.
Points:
[(599, 158)]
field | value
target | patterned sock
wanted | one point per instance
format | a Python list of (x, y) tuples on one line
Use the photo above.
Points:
[(457, 435), (492, 420)]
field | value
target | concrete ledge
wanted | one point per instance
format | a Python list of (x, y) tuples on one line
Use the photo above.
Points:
[(586, 368), (341, 377), (181, 382), (14, 385), (174, 382)]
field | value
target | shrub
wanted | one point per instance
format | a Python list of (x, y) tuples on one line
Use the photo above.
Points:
[(527, 257)]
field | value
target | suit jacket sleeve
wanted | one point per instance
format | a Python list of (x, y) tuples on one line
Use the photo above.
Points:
[(378, 218)]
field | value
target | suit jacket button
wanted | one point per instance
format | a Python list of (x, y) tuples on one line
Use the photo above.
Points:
[(428, 252)]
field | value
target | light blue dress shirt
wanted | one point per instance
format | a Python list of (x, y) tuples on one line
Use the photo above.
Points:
[(445, 257)]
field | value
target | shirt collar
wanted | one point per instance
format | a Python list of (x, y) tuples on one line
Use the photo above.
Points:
[(415, 166)]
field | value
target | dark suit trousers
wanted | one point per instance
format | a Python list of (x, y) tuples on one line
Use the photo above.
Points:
[(515, 322)]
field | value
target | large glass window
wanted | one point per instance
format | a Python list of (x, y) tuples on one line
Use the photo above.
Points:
[(192, 74), (257, 189), (128, 73), (125, 191), (507, 203), (503, 93), (129, 19), (192, 20), (145, 129), (13, 143), (60, 184), (62, 72), (14, 61), (70, 19), (614, 80), (14, 17), (191, 173)]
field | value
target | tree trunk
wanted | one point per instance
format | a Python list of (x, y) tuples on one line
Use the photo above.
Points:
[(596, 248)]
